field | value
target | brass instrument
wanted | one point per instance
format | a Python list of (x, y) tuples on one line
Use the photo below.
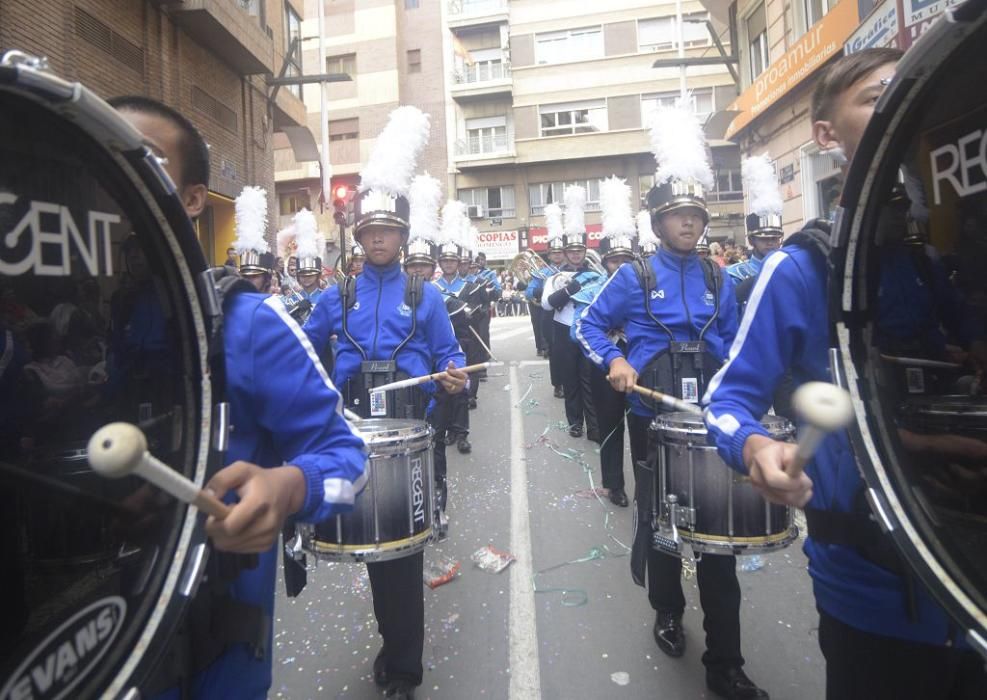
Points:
[(528, 265), (595, 263)]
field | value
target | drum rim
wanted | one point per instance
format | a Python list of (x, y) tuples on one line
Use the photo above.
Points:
[(111, 134), (869, 431)]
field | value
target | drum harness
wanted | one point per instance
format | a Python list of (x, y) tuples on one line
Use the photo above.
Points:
[(856, 529), (412, 401)]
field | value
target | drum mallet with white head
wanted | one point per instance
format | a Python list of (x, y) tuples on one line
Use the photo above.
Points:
[(119, 449), (824, 408)]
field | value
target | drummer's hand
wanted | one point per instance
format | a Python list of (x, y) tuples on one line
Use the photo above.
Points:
[(767, 461), (267, 498), (454, 381), (622, 376)]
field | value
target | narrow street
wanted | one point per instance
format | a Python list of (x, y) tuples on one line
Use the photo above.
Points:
[(584, 629)]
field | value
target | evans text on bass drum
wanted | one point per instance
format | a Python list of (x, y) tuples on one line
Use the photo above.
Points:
[(924, 459), (100, 321)]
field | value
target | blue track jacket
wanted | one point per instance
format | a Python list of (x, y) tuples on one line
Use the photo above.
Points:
[(786, 327), (450, 288), (748, 268), (379, 321), (285, 411), (680, 300)]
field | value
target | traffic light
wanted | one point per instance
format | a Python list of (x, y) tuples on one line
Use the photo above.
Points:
[(342, 195)]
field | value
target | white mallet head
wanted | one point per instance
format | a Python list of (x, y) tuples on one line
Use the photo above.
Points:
[(117, 449), (824, 406)]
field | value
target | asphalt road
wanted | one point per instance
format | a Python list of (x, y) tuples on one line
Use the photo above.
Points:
[(584, 629)]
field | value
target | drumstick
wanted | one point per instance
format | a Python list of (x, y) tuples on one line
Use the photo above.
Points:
[(921, 362), (824, 408), (667, 400), (415, 381), (119, 449), (477, 336), (352, 417)]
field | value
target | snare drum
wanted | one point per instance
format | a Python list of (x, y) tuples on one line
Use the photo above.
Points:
[(713, 508), (394, 515)]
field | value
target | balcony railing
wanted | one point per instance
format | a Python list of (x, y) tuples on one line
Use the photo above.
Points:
[(469, 8), (483, 145), (482, 72)]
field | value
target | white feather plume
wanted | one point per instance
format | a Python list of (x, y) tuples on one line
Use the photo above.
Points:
[(424, 199), (395, 156), (473, 236), (679, 147), (251, 220), (645, 234), (286, 242), (310, 243), (615, 203), (762, 186), (453, 215), (553, 221), (575, 209)]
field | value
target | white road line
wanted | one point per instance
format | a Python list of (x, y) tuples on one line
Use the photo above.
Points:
[(511, 333), (523, 630)]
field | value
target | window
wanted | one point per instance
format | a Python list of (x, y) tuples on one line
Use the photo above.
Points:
[(292, 202), (815, 10), (700, 101), (293, 31), (486, 135), (727, 187), (488, 64), (344, 129), (757, 38), (822, 182), (574, 118), (496, 202), (569, 45), (411, 4), (547, 192), (661, 33), (342, 64), (415, 61)]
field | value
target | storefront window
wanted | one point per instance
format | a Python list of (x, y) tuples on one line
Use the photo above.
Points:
[(822, 183)]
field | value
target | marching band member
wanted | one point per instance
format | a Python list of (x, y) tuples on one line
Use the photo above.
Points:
[(256, 259), (293, 456), (680, 316), (763, 223), (476, 294), (358, 256), (390, 326), (647, 241), (617, 248), (559, 290), (309, 246)]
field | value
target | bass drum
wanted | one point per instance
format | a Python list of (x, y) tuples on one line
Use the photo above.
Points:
[(911, 292), (100, 321)]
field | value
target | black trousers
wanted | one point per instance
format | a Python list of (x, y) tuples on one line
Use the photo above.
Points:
[(537, 324), (548, 335), (719, 589), (568, 361), (865, 666), (610, 406), (483, 328), (475, 352), (399, 606)]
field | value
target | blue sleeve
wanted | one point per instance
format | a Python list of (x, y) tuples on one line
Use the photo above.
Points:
[(726, 320), (301, 409), (325, 319), (608, 311), (441, 338), (492, 278), (772, 332)]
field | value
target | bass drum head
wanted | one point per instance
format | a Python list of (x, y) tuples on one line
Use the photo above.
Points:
[(911, 290), (99, 322)]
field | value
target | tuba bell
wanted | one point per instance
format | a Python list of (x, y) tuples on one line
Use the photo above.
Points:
[(528, 265)]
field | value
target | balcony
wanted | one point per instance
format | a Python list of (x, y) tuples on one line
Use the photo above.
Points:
[(485, 150), (471, 13), (483, 79), (230, 29)]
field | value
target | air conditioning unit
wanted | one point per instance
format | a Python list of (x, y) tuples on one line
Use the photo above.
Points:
[(474, 211)]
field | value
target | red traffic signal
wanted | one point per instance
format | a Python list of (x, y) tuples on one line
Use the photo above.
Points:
[(340, 192)]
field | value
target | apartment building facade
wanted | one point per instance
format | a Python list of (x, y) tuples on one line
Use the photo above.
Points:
[(207, 58)]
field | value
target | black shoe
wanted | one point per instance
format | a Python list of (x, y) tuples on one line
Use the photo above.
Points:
[(669, 634), (618, 497), (576, 431), (593, 436), (472, 403), (380, 668), (732, 683), (464, 446), (559, 393), (449, 439), (441, 494), (400, 690)]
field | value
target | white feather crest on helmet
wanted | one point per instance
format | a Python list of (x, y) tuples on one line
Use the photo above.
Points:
[(424, 200), (394, 158), (286, 242), (679, 147), (553, 222), (615, 205), (645, 234), (575, 210), (309, 242), (251, 220), (762, 186), (453, 216)]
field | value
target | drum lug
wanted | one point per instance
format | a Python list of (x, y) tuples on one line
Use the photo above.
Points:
[(131, 694), (880, 509), (977, 642), (194, 570), (665, 537), (221, 427), (293, 549)]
